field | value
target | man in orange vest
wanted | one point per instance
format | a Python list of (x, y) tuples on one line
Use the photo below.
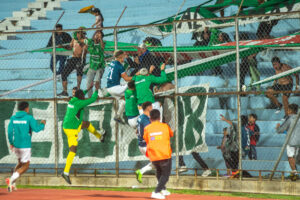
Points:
[(157, 137)]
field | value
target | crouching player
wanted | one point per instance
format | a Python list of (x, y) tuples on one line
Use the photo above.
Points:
[(20, 130), (157, 136)]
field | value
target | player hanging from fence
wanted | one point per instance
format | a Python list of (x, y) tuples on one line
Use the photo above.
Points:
[(282, 84), (294, 143), (114, 88), (76, 62), (20, 130), (143, 82), (131, 108), (73, 124), (157, 137), (143, 121), (97, 64)]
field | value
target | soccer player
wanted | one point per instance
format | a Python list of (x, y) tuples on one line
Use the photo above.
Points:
[(157, 137), (131, 109), (142, 84), (73, 124), (20, 130), (97, 64), (143, 121), (114, 88)]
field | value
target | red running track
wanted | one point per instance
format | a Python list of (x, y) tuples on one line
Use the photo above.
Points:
[(61, 194)]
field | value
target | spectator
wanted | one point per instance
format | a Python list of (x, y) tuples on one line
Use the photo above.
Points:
[(60, 39), (232, 147), (99, 21), (133, 64), (281, 84), (76, 62), (97, 63), (246, 134), (197, 157), (114, 88), (223, 150), (254, 138), (202, 39), (294, 143), (157, 137), (131, 108)]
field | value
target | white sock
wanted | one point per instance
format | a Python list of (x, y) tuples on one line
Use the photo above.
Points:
[(294, 171), (146, 168), (66, 173), (14, 177), (121, 108)]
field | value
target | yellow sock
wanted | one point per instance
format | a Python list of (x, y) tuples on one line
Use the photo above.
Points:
[(92, 130), (69, 162)]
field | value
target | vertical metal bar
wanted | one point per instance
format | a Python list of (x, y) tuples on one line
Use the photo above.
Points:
[(287, 139), (117, 166), (176, 99), (116, 38), (55, 103), (238, 89)]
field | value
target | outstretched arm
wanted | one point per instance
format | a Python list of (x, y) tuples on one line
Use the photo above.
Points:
[(226, 120)]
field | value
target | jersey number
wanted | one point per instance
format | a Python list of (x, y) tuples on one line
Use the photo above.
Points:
[(110, 73)]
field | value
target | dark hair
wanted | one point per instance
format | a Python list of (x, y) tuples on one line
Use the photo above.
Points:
[(23, 105), (131, 85), (96, 10), (59, 26), (275, 59), (146, 104), (294, 108), (75, 88), (79, 94), (154, 115), (225, 129), (244, 120), (253, 115)]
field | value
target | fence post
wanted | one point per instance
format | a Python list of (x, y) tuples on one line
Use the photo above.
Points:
[(176, 99), (115, 38), (55, 103), (238, 90)]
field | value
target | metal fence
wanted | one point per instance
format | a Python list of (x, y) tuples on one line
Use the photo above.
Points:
[(212, 85)]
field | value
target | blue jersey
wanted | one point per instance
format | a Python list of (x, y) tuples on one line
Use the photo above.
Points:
[(114, 74), (143, 121)]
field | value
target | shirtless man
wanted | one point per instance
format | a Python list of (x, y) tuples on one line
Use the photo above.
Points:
[(282, 84), (76, 62)]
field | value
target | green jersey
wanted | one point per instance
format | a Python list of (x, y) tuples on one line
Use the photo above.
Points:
[(131, 109), (142, 85), (96, 54), (74, 114)]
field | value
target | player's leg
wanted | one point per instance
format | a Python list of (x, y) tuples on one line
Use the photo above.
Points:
[(64, 76), (291, 153), (98, 82), (285, 102), (89, 80), (201, 162), (72, 135), (272, 97), (162, 175), (156, 194), (139, 173), (79, 71), (118, 92), (92, 129)]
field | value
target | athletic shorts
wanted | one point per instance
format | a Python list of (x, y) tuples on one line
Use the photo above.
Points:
[(287, 87), (72, 135), (291, 151), (24, 154), (133, 122), (117, 91)]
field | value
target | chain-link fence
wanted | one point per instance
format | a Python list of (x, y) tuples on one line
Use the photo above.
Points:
[(221, 99)]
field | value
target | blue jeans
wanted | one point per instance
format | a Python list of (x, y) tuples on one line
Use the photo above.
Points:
[(62, 62), (252, 153)]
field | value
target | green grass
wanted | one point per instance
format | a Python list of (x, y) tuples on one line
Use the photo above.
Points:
[(192, 192)]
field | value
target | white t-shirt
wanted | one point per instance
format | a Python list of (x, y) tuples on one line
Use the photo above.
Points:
[(98, 18)]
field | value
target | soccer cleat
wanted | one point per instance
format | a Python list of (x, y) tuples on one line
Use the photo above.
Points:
[(235, 174), (155, 195), (182, 169), (119, 120), (206, 173), (165, 192), (139, 176), (14, 187), (278, 109), (103, 134), (66, 177), (63, 94), (9, 186)]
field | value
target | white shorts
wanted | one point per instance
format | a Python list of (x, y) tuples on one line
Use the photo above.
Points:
[(117, 91), (143, 150), (24, 154), (291, 151), (133, 122), (155, 105)]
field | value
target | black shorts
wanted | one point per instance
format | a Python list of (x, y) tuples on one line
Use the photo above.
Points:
[(287, 87), (72, 63)]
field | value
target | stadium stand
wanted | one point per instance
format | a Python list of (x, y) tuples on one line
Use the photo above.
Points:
[(36, 67)]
